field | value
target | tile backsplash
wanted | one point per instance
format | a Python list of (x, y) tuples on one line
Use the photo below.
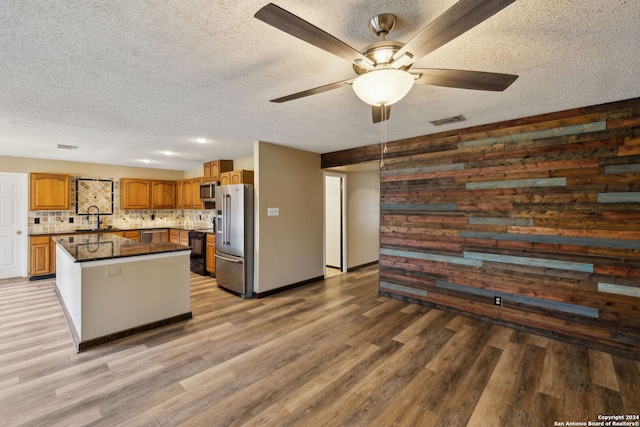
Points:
[(63, 221)]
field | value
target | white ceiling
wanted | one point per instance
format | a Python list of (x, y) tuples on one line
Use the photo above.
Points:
[(125, 80)]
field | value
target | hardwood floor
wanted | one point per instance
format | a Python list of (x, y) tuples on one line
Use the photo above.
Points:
[(330, 353)]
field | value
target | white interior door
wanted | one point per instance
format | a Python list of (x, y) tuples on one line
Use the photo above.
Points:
[(13, 225), (333, 221)]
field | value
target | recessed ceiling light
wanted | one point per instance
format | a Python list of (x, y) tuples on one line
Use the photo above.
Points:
[(201, 140), (145, 160), (168, 153)]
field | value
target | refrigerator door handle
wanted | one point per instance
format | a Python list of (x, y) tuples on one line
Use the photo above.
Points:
[(239, 261), (227, 207)]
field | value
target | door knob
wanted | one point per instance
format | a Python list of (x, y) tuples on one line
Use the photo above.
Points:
[(18, 232)]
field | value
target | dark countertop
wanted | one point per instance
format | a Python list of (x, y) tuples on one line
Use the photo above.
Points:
[(115, 230), (99, 246)]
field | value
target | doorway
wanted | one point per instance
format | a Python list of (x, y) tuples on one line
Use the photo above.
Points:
[(13, 225), (335, 242)]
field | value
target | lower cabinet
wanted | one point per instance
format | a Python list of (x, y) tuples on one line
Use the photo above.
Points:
[(211, 253), (42, 256), (180, 237)]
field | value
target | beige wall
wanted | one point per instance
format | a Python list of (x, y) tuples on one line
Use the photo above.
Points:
[(88, 170), (363, 217), (288, 247)]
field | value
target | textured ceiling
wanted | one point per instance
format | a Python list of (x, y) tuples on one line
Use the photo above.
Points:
[(126, 80)]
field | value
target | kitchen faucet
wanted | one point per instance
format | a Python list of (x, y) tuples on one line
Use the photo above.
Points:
[(97, 209)]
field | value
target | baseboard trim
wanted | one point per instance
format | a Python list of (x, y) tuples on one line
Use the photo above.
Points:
[(287, 287), (358, 267)]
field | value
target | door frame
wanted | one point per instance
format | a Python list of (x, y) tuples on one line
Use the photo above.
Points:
[(22, 219), (343, 219)]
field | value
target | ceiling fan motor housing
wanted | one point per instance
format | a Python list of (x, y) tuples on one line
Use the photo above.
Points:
[(380, 53)]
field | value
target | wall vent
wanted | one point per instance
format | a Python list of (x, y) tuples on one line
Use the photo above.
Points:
[(448, 120), (66, 147)]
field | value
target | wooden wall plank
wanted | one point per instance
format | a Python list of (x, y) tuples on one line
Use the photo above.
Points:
[(543, 211)]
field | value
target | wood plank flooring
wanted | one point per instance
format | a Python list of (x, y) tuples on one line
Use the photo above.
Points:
[(330, 353)]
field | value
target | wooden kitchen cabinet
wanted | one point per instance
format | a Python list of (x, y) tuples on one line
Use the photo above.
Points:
[(163, 194), (49, 192), (184, 238), (236, 177), (42, 256), (196, 203), (180, 237), (135, 193), (187, 194), (211, 253), (213, 169)]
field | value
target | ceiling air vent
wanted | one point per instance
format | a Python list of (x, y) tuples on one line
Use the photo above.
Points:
[(66, 147), (448, 120)]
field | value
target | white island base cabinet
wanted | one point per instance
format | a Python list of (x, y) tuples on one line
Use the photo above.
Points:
[(105, 300)]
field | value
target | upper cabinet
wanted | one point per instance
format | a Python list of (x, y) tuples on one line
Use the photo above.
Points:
[(135, 193), (163, 194), (236, 177), (147, 194), (213, 169), (49, 192)]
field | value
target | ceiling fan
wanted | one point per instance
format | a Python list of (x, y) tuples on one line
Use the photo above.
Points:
[(384, 67)]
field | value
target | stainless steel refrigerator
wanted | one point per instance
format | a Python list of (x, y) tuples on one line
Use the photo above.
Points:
[(234, 238)]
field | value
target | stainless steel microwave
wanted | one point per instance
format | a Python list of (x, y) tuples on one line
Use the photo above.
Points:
[(208, 191)]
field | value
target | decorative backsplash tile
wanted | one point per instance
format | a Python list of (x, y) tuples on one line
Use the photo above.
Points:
[(66, 221), (94, 192)]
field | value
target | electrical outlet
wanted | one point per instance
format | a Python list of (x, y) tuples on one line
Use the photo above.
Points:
[(497, 300), (112, 271)]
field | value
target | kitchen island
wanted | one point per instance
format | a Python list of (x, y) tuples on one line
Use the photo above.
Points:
[(111, 287)]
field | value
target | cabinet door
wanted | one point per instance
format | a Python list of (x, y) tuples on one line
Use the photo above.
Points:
[(135, 193), (217, 167), (174, 236), (206, 171), (39, 255), (225, 178), (187, 194), (196, 203), (49, 192), (163, 194), (184, 238), (211, 253)]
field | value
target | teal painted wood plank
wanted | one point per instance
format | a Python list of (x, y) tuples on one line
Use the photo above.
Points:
[(566, 240), (620, 169), (534, 262), (618, 197), (619, 289), (431, 257), (405, 289), (538, 134), (522, 222), (518, 183), (537, 302), (418, 207), (422, 169)]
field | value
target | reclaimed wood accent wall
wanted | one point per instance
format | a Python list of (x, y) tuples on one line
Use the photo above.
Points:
[(541, 214)]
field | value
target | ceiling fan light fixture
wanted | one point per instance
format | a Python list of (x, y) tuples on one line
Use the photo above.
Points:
[(383, 87)]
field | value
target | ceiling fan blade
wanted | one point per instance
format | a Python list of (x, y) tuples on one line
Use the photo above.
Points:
[(463, 79), (380, 113), (458, 19), (289, 23), (314, 91)]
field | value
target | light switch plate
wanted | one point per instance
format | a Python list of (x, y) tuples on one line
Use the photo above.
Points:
[(273, 211)]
